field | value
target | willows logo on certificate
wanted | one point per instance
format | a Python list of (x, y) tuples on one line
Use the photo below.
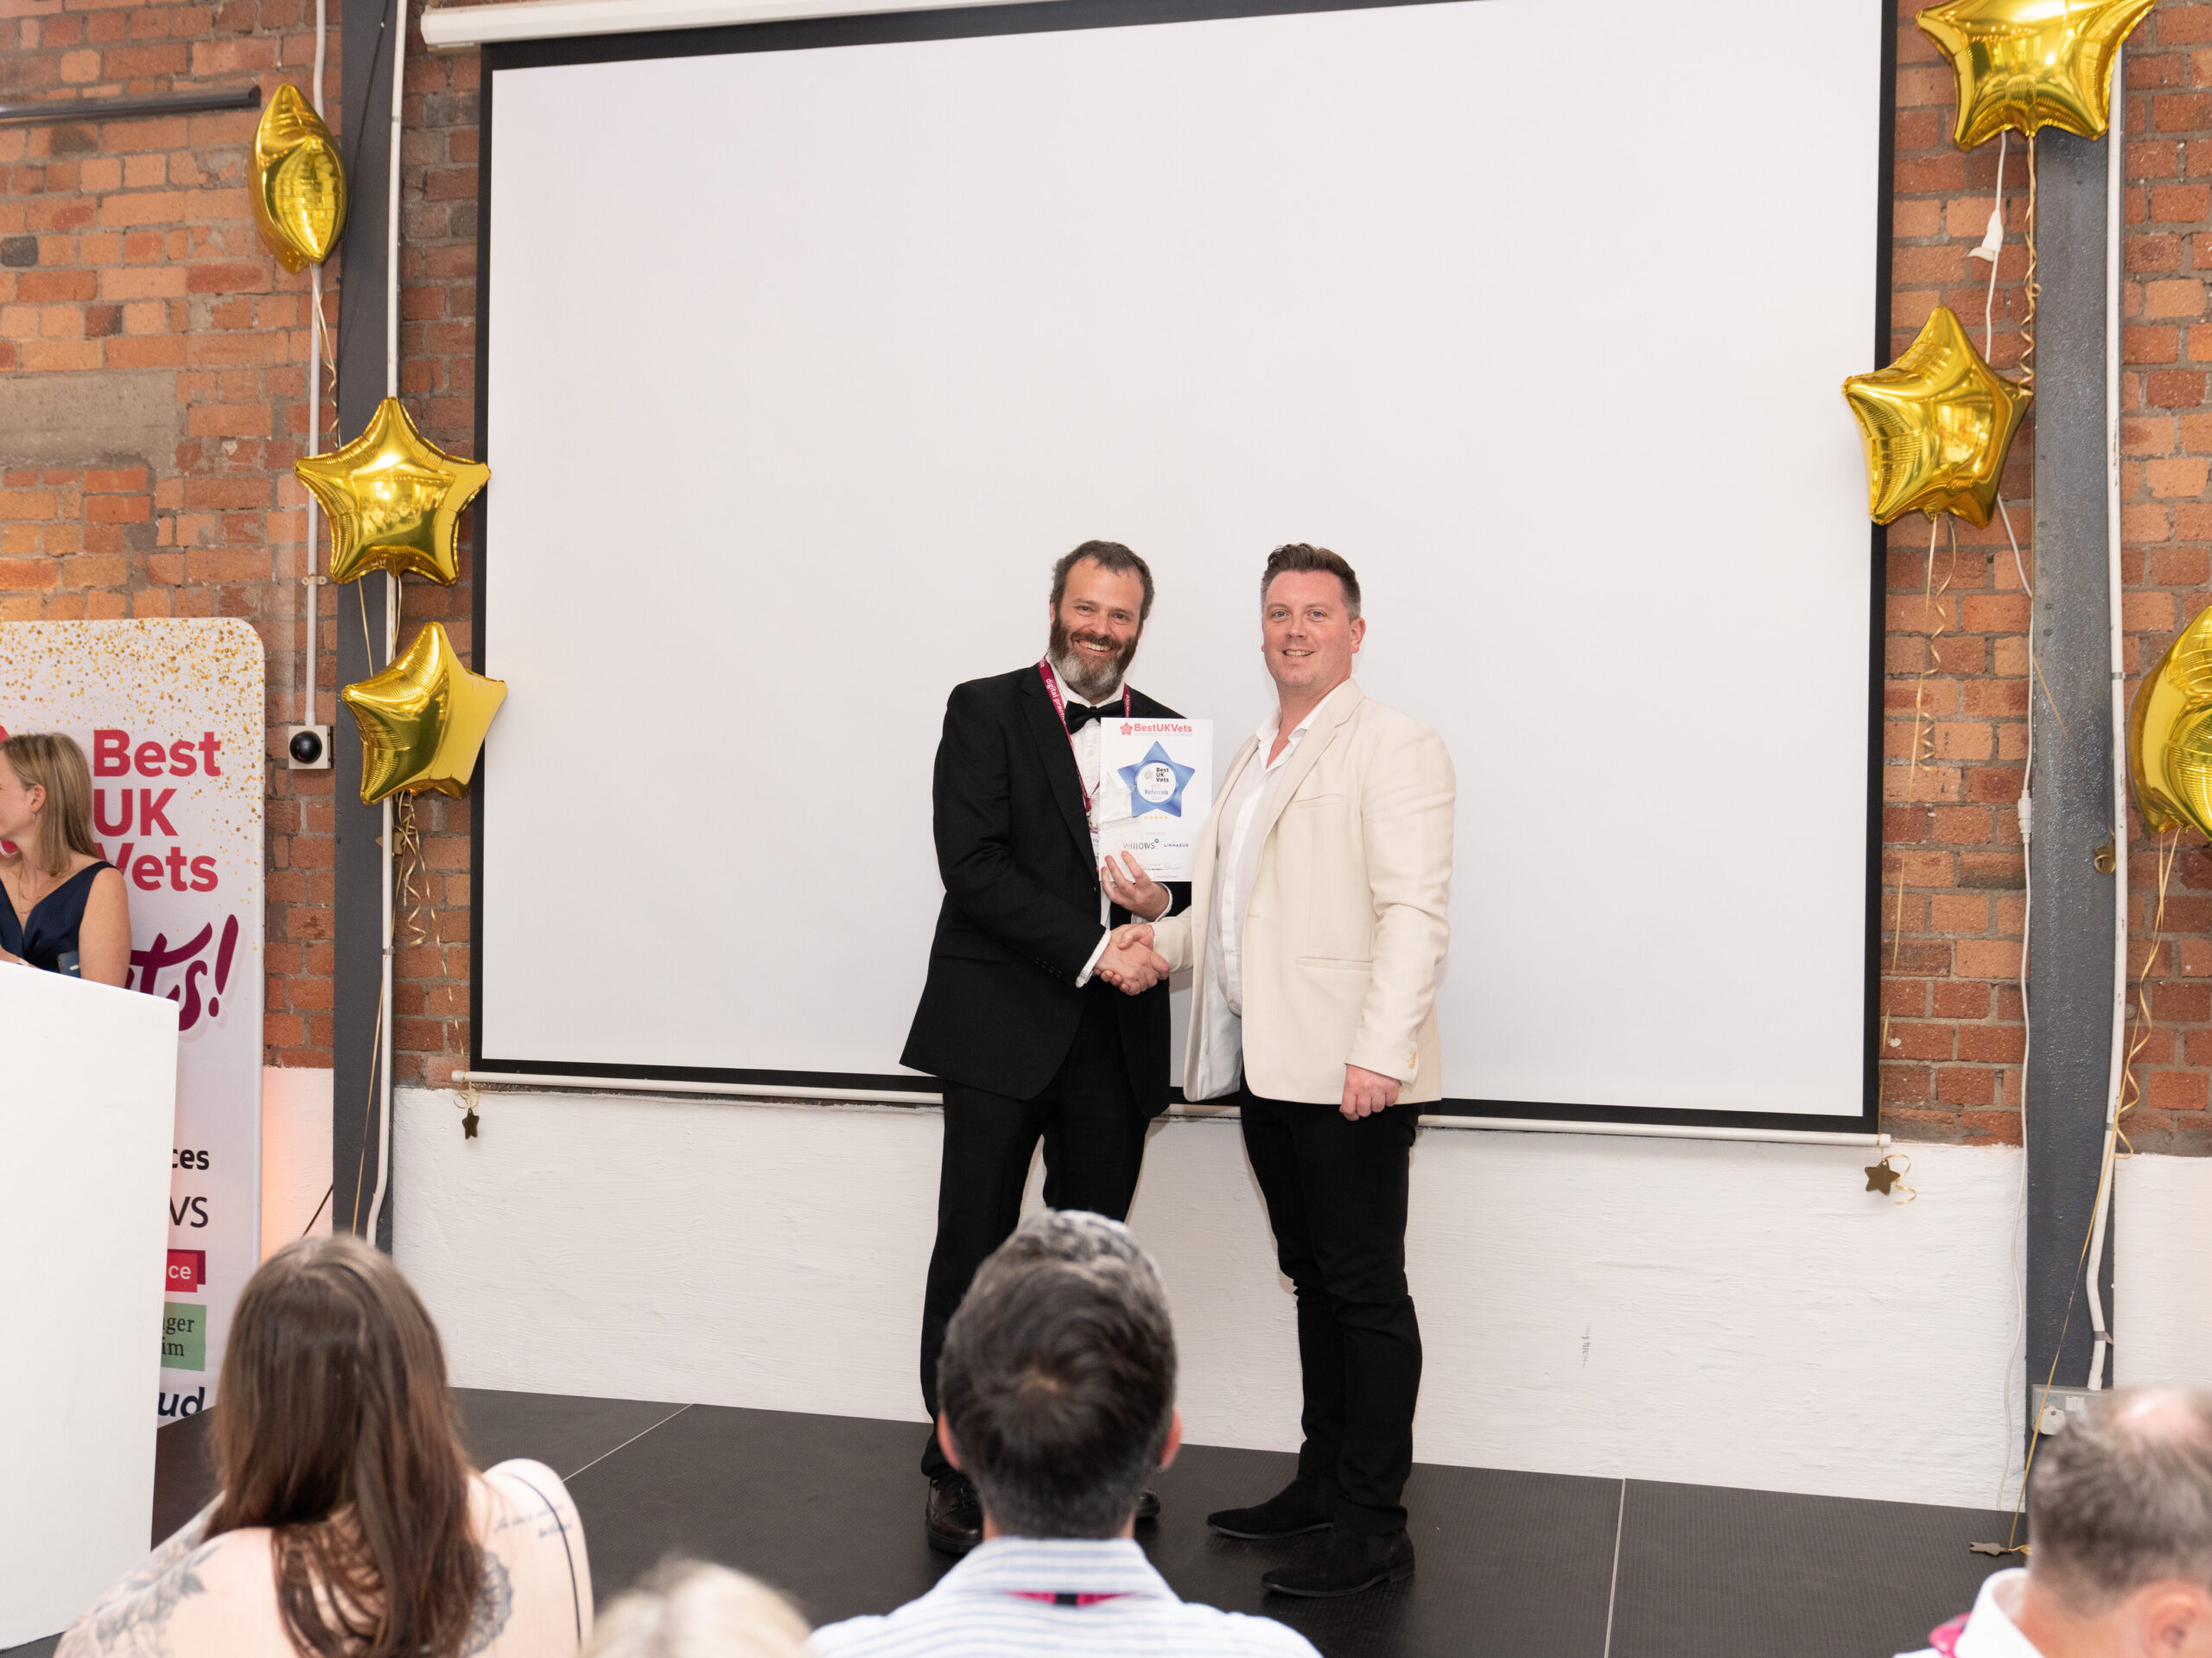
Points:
[(1156, 781)]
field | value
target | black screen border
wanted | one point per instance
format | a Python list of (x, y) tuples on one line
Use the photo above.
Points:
[(1055, 16)]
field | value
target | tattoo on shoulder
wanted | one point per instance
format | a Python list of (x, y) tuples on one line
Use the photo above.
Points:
[(137, 1625), (495, 1605)]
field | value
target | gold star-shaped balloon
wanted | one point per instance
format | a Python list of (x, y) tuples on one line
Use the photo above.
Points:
[(299, 183), (1937, 424), (2170, 734), (395, 499), (423, 719), (2032, 63)]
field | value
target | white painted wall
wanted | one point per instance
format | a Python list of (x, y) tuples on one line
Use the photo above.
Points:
[(2162, 1271), (1734, 1314), (294, 1154)]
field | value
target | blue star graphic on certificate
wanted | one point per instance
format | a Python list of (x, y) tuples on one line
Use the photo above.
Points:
[(1156, 783)]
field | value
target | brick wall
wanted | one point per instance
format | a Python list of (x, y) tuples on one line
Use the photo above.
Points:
[(146, 261), (1951, 1065)]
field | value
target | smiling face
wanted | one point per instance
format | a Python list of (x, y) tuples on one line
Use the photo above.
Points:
[(1095, 627), (1308, 634)]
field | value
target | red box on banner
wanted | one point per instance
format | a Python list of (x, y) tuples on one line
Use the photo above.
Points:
[(188, 1271)]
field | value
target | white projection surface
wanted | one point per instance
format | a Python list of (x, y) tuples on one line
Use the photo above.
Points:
[(804, 364)]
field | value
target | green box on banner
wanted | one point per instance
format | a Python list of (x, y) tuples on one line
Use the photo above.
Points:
[(184, 1335)]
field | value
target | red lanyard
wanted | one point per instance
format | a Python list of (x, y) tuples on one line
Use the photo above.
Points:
[(1060, 708), (1063, 1598)]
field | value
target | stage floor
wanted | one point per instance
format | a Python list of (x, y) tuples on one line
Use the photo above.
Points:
[(1512, 1565)]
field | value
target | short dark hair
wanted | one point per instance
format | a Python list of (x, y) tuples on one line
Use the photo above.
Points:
[(1107, 555), (1058, 1377), (2123, 1497), (1303, 555)]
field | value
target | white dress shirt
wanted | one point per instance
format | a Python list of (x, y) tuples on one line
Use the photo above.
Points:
[(1086, 743), (1236, 866), (1990, 1631), (1021, 1597)]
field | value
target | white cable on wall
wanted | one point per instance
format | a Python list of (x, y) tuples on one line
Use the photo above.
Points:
[(1991, 249), (390, 621), (2114, 183), (315, 389)]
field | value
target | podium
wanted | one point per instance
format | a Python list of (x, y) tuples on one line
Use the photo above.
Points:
[(88, 1104)]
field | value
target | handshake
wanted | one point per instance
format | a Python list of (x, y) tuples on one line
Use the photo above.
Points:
[(1131, 964)]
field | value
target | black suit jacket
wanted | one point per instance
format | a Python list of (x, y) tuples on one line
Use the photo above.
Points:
[(1020, 912)]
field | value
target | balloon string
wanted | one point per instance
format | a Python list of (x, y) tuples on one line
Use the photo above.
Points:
[(1997, 255), (407, 867), (2028, 322), (2131, 1092), (1922, 742)]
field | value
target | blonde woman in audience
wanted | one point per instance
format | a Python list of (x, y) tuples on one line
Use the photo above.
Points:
[(686, 1608), (66, 909), (349, 1523)]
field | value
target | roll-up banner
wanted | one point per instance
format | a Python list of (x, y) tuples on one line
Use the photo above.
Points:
[(171, 713)]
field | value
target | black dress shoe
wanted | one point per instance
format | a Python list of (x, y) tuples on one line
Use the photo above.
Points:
[(1301, 1506), (1344, 1563), (1148, 1507), (955, 1514)]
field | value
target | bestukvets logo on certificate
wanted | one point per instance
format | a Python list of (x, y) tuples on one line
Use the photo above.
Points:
[(1156, 783)]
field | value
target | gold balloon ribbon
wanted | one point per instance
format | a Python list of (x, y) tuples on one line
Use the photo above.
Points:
[(2130, 1091), (407, 866), (2031, 292), (1922, 742)]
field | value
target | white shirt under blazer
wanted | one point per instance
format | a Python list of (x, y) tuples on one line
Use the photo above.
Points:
[(1343, 932)]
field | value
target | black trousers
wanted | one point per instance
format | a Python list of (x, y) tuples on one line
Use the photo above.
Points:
[(1093, 1145), (1336, 1196)]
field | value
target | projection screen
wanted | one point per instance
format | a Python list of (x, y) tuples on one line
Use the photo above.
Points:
[(807, 347)]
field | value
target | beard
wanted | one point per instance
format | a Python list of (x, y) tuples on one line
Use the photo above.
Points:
[(1090, 677)]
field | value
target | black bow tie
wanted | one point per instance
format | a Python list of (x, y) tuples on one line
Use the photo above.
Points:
[(1080, 715)]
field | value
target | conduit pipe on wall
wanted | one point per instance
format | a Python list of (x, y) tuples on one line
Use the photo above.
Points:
[(2114, 183), (315, 390), (524, 1081), (390, 625)]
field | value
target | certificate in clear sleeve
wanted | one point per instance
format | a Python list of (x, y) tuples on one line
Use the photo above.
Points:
[(1155, 788)]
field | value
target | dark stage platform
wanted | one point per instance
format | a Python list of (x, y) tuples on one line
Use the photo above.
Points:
[(1512, 1565)]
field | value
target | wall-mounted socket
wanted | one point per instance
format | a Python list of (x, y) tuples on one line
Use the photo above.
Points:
[(2060, 1407), (307, 748)]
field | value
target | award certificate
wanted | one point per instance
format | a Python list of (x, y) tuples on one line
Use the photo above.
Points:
[(1155, 787)]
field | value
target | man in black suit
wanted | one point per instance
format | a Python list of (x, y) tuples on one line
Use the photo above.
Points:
[(1021, 1018)]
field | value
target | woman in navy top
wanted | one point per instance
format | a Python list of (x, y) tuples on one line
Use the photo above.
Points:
[(66, 909)]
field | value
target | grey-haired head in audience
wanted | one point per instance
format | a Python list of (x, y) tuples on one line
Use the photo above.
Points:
[(1058, 1380)]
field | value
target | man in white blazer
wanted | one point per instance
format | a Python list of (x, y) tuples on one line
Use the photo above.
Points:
[(1315, 940)]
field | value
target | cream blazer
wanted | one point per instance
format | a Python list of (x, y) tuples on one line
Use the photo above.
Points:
[(1345, 934)]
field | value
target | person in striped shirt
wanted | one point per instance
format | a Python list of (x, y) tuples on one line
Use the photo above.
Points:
[(1058, 1394)]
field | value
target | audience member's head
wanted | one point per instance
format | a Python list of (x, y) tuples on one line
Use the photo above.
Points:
[(686, 1608), (1058, 1379), (2120, 1513), (334, 1428), (46, 800)]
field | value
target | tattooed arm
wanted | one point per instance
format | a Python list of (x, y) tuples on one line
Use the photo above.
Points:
[(132, 1620)]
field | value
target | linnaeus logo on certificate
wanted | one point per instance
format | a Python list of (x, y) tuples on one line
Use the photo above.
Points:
[(1156, 783)]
